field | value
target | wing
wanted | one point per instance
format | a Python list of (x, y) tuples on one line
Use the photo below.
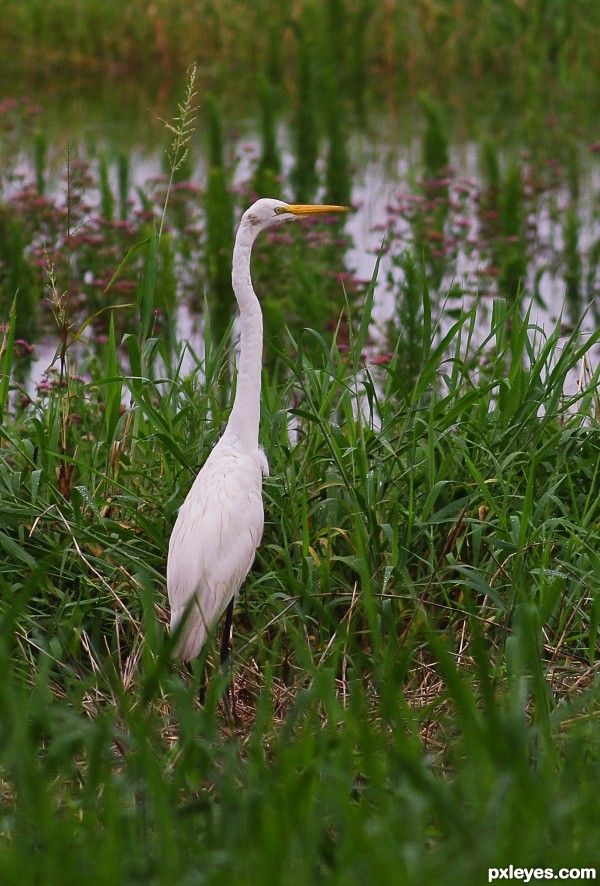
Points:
[(213, 543)]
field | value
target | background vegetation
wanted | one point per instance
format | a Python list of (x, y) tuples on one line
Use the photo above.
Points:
[(415, 670), (417, 41)]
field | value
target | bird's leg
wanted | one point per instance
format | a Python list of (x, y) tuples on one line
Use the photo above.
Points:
[(226, 638), (225, 654)]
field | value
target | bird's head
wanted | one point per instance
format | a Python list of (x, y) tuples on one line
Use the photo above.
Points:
[(267, 212)]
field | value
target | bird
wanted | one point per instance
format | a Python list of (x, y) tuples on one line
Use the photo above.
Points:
[(220, 523)]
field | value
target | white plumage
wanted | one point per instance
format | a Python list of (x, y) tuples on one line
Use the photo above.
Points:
[(220, 524), (214, 541)]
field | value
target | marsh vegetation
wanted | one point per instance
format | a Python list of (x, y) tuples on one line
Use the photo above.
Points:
[(415, 651)]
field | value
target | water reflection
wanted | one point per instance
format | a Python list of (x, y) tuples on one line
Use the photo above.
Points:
[(386, 175)]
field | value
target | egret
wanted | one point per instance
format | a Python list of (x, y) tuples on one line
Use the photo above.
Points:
[(220, 524)]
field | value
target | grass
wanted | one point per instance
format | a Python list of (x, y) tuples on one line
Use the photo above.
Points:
[(415, 659), (416, 649), (361, 32), (391, 47)]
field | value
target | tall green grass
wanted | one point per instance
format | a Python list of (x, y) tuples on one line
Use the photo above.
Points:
[(415, 42), (415, 651)]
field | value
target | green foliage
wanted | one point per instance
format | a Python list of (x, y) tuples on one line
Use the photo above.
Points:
[(219, 226), (406, 330), (399, 42), (435, 139), (269, 166), (423, 602), (40, 142), (513, 249), (573, 263), (107, 200), (415, 665), (17, 277), (289, 272), (338, 177), (123, 183), (304, 175)]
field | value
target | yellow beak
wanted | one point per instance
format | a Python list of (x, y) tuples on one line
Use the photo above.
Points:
[(312, 209)]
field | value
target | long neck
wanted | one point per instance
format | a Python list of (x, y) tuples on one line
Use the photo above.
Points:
[(245, 414)]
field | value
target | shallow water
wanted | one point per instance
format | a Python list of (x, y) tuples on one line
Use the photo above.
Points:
[(385, 160)]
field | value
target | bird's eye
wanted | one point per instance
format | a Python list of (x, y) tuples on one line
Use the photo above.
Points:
[(279, 209)]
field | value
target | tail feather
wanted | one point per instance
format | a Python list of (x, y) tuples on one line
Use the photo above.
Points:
[(192, 635)]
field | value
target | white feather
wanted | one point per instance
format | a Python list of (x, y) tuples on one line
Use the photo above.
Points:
[(214, 541)]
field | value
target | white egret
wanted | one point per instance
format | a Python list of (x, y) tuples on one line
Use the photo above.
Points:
[(220, 523)]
